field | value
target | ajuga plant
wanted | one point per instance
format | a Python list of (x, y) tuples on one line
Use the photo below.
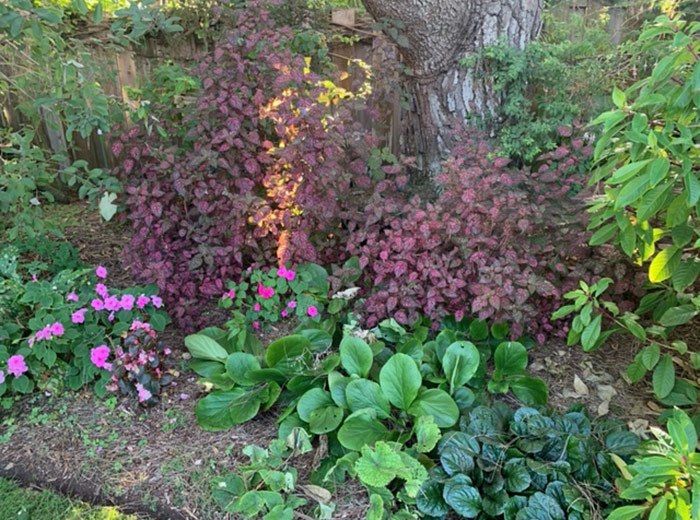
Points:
[(252, 180)]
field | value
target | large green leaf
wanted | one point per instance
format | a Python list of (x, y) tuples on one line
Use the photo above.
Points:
[(517, 477), (237, 366), (221, 410), (530, 390), (438, 404), (682, 432), (462, 496), (362, 428), (400, 380), (678, 315), (460, 362), (664, 377), (355, 356), (591, 333), (510, 358), (285, 348), (313, 399), (429, 499), (324, 420), (203, 347), (455, 460), (337, 383), (377, 467), (363, 393), (664, 264), (632, 191)]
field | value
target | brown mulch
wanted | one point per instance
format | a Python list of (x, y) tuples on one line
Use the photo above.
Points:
[(158, 462)]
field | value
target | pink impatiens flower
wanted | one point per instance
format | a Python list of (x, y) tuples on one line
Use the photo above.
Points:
[(57, 328), (72, 297), (44, 333), (144, 394), (97, 304), (16, 365), (229, 294), (256, 307), (156, 300), (265, 292), (101, 289), (291, 304), (78, 316), (112, 303), (285, 273), (311, 310), (142, 301), (99, 355), (256, 325), (2, 377), (284, 313), (127, 302), (101, 271)]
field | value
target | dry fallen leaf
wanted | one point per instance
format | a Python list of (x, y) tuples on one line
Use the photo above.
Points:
[(579, 386), (318, 493), (640, 427)]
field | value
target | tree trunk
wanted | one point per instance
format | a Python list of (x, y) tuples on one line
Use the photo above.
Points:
[(435, 34)]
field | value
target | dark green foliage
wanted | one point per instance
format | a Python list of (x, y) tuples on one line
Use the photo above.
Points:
[(525, 465)]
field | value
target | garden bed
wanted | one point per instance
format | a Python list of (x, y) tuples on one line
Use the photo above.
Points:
[(159, 462)]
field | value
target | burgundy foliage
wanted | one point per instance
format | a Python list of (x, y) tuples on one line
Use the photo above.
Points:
[(253, 179)]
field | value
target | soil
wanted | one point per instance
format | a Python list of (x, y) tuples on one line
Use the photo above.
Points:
[(159, 463)]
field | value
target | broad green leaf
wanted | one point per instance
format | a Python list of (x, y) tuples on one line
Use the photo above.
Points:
[(682, 431), (632, 191), (400, 380), (510, 358), (376, 508), (360, 429), (517, 477), (658, 170), (430, 501), (460, 362), (530, 390), (107, 207), (622, 443), (427, 434), (324, 420), (203, 347), (465, 499), (337, 383), (604, 234), (222, 409), (627, 513), (591, 333), (363, 393), (678, 315), (313, 399), (650, 355), (618, 97), (355, 356), (664, 264), (379, 466), (237, 366), (438, 404), (627, 171), (285, 348), (664, 377)]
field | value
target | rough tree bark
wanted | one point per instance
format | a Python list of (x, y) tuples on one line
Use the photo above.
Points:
[(439, 33)]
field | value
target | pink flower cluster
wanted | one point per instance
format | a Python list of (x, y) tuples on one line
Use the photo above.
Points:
[(285, 273), (15, 366), (265, 292), (48, 332), (99, 355)]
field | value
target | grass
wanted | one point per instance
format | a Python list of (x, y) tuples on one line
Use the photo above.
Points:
[(19, 503)]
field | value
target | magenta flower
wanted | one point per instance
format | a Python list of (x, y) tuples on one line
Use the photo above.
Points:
[(112, 303), (78, 316), (256, 307), (311, 310), (127, 302), (230, 294), (167, 351), (156, 300), (265, 292), (101, 289), (256, 325), (72, 297), (142, 301), (16, 365), (44, 333), (284, 313), (144, 394), (97, 304), (291, 304), (111, 316), (57, 328), (99, 355), (2, 377), (285, 273), (101, 271)]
